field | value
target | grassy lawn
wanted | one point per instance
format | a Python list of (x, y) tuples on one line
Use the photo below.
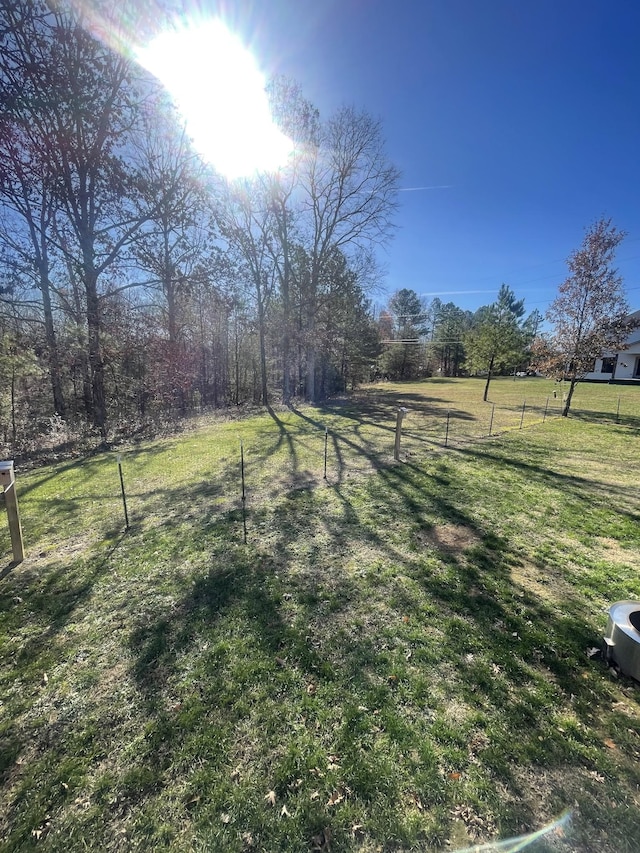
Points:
[(396, 660)]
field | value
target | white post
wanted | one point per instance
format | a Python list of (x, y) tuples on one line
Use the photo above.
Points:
[(8, 481), (402, 411)]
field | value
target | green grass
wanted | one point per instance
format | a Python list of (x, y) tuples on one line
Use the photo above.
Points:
[(396, 660)]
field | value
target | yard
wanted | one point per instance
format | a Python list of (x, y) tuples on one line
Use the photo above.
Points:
[(401, 656)]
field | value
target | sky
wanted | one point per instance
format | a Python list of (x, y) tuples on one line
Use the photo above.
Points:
[(518, 120)]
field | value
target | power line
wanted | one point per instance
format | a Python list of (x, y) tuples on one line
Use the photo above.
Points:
[(418, 342)]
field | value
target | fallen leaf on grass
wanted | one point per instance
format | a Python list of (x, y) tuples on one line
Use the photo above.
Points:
[(45, 678), (608, 742), (284, 812), (281, 662), (416, 801), (311, 689), (455, 776), (225, 817), (335, 798), (322, 841), (271, 798), (42, 829), (315, 795)]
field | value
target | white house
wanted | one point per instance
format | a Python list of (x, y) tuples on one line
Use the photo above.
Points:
[(622, 366)]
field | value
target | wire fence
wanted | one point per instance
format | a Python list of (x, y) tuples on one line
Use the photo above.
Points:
[(225, 472)]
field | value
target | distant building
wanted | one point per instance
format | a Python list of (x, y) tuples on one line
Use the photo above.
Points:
[(622, 366)]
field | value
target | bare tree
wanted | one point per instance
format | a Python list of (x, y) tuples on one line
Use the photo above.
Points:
[(590, 315), (247, 221), (71, 97), (300, 120), (27, 201), (349, 198)]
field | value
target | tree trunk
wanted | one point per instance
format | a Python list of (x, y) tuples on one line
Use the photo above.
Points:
[(263, 354), (311, 373), (52, 344), (54, 360), (14, 429), (96, 362), (486, 387), (286, 320), (311, 357), (236, 357), (567, 405), (87, 396), (286, 351)]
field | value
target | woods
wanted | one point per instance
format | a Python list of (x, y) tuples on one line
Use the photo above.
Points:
[(137, 282)]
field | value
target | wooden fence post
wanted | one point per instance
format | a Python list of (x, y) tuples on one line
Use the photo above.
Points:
[(402, 411), (8, 481)]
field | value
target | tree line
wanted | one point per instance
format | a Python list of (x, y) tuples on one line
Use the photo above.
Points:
[(134, 279), (588, 319), (441, 339)]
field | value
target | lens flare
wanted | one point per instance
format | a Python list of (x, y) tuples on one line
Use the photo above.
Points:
[(220, 92)]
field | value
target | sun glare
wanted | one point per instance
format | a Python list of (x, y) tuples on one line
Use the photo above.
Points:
[(219, 90)]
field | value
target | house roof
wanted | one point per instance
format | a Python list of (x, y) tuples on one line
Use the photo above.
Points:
[(634, 337)]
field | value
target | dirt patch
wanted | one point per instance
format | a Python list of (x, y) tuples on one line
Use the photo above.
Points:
[(452, 538), (613, 552), (529, 578)]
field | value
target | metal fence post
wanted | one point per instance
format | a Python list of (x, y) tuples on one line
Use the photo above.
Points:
[(244, 509), (326, 442), (124, 497)]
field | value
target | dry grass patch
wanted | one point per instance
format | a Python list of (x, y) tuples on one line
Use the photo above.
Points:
[(551, 588), (614, 552), (451, 538)]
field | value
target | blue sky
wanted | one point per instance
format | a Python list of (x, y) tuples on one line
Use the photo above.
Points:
[(524, 112)]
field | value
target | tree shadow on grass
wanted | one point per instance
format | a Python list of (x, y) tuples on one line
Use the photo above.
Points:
[(53, 599), (298, 613), (508, 655), (582, 488), (47, 605)]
